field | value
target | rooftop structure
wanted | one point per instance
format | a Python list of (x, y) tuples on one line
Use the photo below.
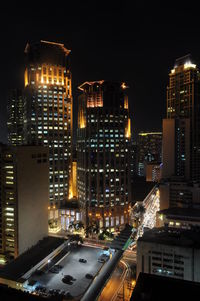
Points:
[(152, 287)]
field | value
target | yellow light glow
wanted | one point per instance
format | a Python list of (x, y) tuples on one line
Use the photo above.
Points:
[(173, 71), (150, 133), (82, 120), (73, 181), (126, 102), (189, 65), (26, 77), (128, 129), (123, 85)]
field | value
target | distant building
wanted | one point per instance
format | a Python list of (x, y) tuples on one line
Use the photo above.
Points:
[(185, 218), (181, 130), (170, 252), (23, 198), (179, 193), (153, 172), (149, 150), (103, 153), (15, 121)]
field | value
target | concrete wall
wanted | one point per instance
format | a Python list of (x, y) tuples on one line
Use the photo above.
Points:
[(189, 257), (33, 196)]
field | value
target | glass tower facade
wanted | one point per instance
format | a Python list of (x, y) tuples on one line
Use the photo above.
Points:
[(103, 151)]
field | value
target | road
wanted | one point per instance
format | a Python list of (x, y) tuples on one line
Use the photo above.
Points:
[(113, 284), (120, 284)]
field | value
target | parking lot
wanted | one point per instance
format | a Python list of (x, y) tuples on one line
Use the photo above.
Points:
[(72, 266)]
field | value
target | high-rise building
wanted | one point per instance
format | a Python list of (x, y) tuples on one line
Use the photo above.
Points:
[(181, 129), (24, 194), (47, 120), (15, 121), (149, 150), (103, 151)]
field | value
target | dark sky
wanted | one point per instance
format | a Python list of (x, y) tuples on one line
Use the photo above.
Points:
[(130, 41)]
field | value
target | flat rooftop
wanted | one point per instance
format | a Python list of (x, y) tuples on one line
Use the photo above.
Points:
[(22, 264), (71, 266), (174, 237), (181, 213), (152, 288)]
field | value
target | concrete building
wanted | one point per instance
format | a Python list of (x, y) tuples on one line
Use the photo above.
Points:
[(185, 218), (103, 153), (16, 274), (170, 252), (179, 193), (24, 194), (149, 150), (153, 172)]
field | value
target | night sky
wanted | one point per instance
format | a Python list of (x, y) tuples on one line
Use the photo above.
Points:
[(113, 40)]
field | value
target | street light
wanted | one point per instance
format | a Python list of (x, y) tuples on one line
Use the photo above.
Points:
[(49, 260)]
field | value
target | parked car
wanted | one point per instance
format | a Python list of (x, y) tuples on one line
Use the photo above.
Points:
[(82, 260), (68, 277), (89, 276)]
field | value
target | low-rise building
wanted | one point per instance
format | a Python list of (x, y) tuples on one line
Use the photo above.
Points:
[(170, 252), (185, 218)]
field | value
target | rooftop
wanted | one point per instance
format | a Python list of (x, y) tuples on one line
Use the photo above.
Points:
[(181, 213), (153, 288), (22, 264), (173, 237)]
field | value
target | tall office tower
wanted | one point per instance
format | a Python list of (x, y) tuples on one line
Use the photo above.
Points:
[(15, 121), (149, 150), (48, 111), (103, 151), (181, 129), (24, 193)]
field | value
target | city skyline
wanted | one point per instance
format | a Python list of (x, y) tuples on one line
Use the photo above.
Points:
[(107, 42)]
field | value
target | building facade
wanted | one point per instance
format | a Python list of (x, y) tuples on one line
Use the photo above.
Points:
[(170, 252), (103, 144), (47, 113), (149, 150), (24, 194), (179, 193), (15, 121), (181, 130)]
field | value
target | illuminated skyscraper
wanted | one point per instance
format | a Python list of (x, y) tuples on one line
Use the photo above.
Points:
[(15, 122), (181, 137), (103, 153), (48, 111), (181, 129)]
